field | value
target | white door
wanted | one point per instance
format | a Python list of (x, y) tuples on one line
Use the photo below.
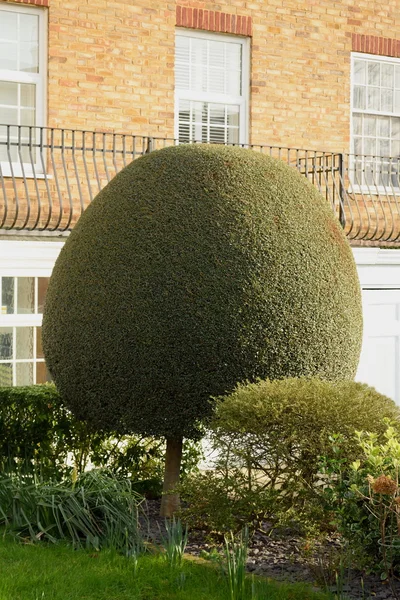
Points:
[(380, 357)]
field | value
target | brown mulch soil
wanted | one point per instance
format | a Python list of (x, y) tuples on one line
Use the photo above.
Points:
[(283, 557)]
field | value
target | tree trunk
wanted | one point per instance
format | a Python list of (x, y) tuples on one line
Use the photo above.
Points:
[(173, 457)]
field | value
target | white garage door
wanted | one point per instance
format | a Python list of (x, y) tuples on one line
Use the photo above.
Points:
[(380, 357)]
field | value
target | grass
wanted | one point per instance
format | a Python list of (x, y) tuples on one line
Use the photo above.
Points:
[(57, 572)]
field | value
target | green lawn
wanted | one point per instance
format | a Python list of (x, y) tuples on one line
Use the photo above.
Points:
[(43, 572)]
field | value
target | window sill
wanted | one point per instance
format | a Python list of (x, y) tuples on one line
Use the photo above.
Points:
[(373, 190), (27, 174)]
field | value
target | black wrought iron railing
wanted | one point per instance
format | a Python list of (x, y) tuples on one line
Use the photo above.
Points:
[(48, 176)]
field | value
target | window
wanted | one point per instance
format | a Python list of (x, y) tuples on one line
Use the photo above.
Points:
[(376, 121), (21, 353), (22, 79), (211, 88)]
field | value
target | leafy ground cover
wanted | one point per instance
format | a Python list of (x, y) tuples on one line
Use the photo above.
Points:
[(57, 572)]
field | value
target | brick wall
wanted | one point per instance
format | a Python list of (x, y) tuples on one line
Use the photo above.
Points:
[(111, 64)]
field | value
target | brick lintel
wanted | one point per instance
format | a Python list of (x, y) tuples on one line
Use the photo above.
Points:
[(32, 2), (211, 20), (372, 44)]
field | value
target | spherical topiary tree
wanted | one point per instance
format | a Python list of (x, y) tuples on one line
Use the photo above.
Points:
[(195, 268)]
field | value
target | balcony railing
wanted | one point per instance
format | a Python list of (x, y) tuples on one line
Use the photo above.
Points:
[(48, 176)]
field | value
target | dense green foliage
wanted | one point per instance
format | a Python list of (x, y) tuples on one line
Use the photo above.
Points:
[(98, 510), (37, 431), (39, 435), (269, 438), (59, 573), (196, 267), (364, 500)]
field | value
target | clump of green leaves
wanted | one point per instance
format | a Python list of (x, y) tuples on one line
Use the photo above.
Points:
[(174, 542), (97, 511), (234, 564), (365, 498)]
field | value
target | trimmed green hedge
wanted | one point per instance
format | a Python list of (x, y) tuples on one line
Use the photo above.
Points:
[(198, 266), (36, 430)]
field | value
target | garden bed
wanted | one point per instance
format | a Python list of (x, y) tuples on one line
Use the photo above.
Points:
[(284, 557)]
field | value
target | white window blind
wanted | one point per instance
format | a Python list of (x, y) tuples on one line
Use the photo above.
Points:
[(211, 88), (376, 120)]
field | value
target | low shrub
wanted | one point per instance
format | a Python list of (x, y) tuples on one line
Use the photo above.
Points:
[(268, 438)]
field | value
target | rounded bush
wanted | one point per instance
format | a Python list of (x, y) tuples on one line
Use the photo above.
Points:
[(196, 267), (293, 419), (270, 442)]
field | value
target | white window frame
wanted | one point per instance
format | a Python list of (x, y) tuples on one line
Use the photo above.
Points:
[(39, 80), (26, 259), (242, 101), (355, 187)]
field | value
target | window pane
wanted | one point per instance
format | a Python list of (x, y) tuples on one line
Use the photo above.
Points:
[(8, 25), (359, 71), (395, 151), (28, 92), (217, 135), (29, 28), (233, 57), (233, 83), (370, 126), (6, 343), (386, 100), (373, 97), (8, 154), (397, 101), (373, 73), (387, 72), (208, 65), (42, 373), (6, 375), (8, 93), (8, 56), (359, 97), (217, 114), (26, 295), (383, 126), (395, 128), (358, 146), (217, 54), (357, 124), (9, 116), (233, 136), (232, 116), (43, 284), (24, 373), (216, 81), (28, 57), (397, 76), (24, 343), (39, 345), (383, 148), (370, 146), (7, 295), (27, 116)]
